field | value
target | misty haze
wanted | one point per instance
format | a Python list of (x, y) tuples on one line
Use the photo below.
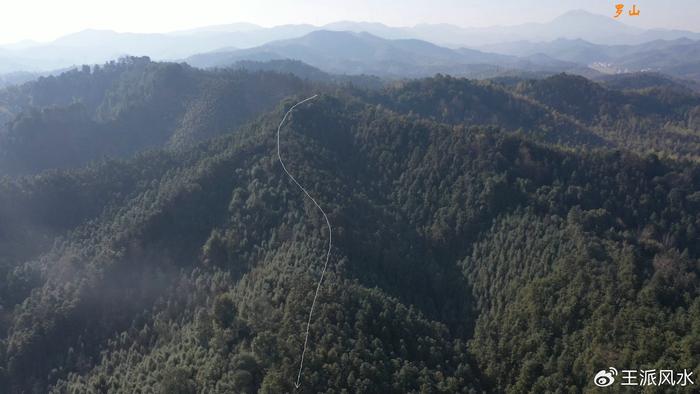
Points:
[(350, 197)]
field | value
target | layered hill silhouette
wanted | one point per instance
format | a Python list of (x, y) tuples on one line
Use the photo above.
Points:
[(358, 53), (352, 53), (576, 37)]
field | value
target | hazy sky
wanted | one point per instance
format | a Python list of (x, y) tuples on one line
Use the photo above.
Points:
[(44, 20)]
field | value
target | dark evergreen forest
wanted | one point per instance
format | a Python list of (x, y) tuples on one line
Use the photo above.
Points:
[(488, 236)]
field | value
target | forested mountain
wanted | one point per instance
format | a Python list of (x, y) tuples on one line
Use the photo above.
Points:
[(659, 119), (646, 80), (566, 110), (124, 107), (488, 237), (307, 72), (121, 108)]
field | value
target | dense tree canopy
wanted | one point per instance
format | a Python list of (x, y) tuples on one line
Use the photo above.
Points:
[(488, 238)]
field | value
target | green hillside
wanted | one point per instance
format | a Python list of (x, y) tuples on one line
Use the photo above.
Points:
[(486, 239)]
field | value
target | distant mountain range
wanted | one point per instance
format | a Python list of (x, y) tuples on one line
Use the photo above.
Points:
[(677, 57), (364, 53), (575, 24), (344, 52), (98, 46)]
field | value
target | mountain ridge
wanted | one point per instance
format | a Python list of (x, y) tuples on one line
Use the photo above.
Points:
[(180, 44), (194, 272), (364, 53)]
